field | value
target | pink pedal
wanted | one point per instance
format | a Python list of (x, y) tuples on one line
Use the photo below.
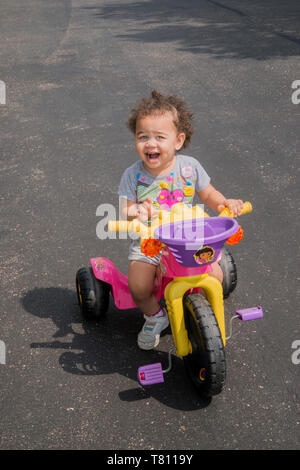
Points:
[(253, 313), (150, 374)]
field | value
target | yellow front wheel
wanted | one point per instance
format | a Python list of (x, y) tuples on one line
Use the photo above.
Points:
[(206, 365)]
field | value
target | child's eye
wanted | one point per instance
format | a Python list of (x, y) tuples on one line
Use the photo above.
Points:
[(160, 137), (143, 137)]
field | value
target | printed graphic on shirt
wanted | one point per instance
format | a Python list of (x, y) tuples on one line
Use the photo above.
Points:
[(145, 190), (169, 192)]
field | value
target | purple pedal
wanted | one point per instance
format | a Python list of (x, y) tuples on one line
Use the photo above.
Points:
[(252, 313), (151, 374)]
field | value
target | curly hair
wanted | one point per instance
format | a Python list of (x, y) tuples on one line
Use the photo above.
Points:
[(159, 104)]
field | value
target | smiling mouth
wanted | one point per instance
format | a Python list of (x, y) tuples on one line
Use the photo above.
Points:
[(152, 156)]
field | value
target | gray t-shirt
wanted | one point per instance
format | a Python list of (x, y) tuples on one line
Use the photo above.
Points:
[(187, 176)]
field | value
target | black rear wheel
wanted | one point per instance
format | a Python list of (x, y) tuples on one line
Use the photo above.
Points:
[(206, 365), (229, 270), (92, 294)]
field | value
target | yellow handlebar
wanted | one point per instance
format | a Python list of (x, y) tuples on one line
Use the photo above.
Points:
[(247, 207), (118, 225), (125, 226), (178, 212)]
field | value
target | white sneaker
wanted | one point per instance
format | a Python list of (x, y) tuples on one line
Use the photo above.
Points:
[(148, 337)]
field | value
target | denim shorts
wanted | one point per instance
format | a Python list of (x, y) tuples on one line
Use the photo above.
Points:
[(135, 254)]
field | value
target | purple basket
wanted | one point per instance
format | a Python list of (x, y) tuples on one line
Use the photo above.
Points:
[(197, 242)]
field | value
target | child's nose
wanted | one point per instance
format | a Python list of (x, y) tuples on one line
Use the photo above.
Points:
[(151, 142)]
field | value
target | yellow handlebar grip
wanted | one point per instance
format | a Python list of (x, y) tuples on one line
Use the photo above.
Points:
[(225, 213), (118, 225), (126, 226), (247, 207)]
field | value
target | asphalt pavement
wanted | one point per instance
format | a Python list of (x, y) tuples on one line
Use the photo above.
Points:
[(70, 72)]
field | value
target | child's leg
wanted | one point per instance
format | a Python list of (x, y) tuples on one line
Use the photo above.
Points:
[(217, 271), (140, 281)]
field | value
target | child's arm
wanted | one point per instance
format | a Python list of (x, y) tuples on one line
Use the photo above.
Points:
[(216, 201)]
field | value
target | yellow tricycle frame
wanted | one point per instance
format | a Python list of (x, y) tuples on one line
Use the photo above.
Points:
[(174, 293)]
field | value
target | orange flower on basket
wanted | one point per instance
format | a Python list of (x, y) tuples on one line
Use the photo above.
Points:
[(151, 247), (236, 237)]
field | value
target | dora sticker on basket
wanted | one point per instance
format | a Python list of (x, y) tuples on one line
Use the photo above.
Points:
[(204, 255)]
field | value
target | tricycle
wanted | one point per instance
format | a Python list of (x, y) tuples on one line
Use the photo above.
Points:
[(188, 241)]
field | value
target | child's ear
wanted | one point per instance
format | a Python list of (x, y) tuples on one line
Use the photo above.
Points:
[(180, 140)]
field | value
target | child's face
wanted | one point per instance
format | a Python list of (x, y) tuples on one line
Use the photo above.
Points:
[(157, 140)]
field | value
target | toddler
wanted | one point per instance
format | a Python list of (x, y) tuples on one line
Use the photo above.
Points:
[(161, 125)]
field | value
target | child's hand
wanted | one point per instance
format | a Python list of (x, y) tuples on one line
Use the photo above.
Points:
[(145, 210), (234, 205)]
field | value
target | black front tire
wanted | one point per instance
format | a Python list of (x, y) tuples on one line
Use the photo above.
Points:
[(206, 365), (229, 270), (92, 294)]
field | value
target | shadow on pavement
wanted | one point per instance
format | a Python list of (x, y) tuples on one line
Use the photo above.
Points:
[(223, 29), (109, 346)]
